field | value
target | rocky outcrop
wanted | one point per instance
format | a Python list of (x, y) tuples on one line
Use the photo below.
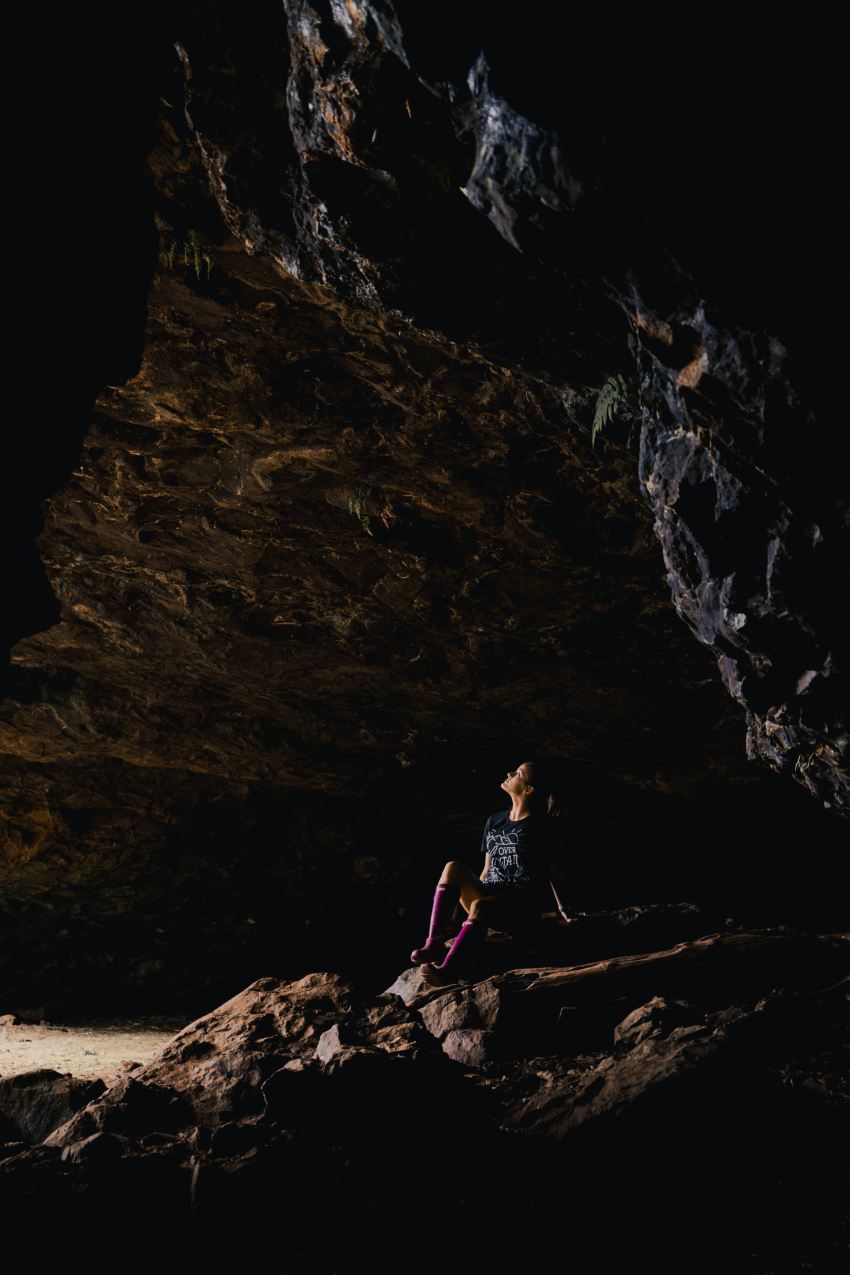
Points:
[(350, 1109), (744, 541), (35, 1103), (751, 575)]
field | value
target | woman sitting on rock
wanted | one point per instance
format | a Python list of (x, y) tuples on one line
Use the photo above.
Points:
[(521, 850)]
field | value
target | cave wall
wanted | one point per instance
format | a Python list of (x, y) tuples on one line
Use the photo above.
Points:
[(334, 543)]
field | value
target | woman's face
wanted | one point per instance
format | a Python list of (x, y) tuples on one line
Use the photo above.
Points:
[(517, 781)]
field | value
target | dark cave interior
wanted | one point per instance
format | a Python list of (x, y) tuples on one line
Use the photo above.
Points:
[(243, 731)]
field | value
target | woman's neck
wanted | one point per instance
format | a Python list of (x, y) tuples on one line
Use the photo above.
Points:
[(520, 808)]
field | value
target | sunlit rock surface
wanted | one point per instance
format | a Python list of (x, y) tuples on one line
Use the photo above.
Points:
[(714, 1067)]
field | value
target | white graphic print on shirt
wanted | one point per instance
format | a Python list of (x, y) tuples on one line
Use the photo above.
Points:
[(505, 863)]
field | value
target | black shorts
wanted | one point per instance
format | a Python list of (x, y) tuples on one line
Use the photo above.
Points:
[(516, 907)]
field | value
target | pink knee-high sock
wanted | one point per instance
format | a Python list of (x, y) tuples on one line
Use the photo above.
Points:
[(467, 939), (445, 898)]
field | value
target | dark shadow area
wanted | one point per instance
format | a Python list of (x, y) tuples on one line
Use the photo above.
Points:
[(87, 218)]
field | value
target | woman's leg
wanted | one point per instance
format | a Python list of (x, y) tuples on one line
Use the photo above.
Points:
[(458, 885), (479, 903), (511, 910), (470, 886)]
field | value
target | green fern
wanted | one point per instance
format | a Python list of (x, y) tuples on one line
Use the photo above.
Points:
[(357, 505), (803, 762), (193, 251), (611, 397), (196, 248)]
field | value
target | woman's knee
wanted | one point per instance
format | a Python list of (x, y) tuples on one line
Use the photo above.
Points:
[(453, 870), (478, 909)]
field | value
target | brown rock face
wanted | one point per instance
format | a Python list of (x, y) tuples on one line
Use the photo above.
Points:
[(32, 1105), (346, 537), (720, 1073)]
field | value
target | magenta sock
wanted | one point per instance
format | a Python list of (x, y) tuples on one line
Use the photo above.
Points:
[(465, 941), (445, 898)]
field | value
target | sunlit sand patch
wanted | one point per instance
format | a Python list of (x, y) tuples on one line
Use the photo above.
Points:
[(95, 1049)]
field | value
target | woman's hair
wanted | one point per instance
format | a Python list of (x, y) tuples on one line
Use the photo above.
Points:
[(546, 782)]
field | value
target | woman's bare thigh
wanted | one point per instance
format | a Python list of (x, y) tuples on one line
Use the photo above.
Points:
[(471, 887)]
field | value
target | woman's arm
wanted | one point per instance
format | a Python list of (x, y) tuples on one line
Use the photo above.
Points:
[(556, 881), (486, 865)]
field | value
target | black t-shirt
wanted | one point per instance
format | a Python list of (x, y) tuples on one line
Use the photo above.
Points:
[(520, 851)]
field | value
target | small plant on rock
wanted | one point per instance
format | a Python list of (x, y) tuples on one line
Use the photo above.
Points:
[(357, 506), (612, 398), (193, 251)]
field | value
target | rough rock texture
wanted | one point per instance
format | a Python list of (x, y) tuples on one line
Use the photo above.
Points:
[(339, 543), (751, 576), (313, 1120), (33, 1104)]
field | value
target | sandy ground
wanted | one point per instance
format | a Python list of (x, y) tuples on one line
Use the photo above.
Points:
[(96, 1049)]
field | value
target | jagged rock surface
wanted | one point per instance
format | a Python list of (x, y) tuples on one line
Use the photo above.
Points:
[(354, 1108)]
